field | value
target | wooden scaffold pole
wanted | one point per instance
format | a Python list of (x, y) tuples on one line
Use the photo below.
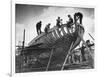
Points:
[(49, 59), (69, 52)]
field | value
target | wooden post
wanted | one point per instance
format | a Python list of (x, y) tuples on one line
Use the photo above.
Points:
[(67, 30), (91, 36), (23, 41), (49, 60), (69, 51)]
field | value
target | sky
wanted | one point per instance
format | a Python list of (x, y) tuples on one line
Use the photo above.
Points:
[(26, 17)]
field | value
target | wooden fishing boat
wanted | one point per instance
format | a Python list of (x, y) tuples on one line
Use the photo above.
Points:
[(52, 46)]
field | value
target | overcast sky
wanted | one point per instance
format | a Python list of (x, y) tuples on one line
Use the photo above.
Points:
[(28, 15)]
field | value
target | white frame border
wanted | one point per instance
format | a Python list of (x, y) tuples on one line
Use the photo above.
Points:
[(29, 74)]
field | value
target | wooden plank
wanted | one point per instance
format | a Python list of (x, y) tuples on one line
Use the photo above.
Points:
[(52, 38), (36, 38), (47, 40), (48, 37)]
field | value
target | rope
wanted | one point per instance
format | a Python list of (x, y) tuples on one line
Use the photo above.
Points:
[(91, 36)]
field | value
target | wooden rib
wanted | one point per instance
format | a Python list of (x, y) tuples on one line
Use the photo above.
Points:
[(63, 31), (56, 36), (67, 30), (59, 33)]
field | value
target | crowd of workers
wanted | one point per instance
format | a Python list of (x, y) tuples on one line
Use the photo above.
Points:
[(77, 16)]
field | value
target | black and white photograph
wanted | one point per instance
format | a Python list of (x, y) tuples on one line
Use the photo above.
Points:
[(53, 38)]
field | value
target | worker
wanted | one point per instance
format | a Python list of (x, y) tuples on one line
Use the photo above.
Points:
[(89, 44), (78, 16), (70, 21), (83, 49), (69, 24), (47, 28), (77, 57), (38, 27), (58, 24), (83, 52)]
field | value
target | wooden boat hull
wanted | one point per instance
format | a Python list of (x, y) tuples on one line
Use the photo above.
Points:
[(60, 48)]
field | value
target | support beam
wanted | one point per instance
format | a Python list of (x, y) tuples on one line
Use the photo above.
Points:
[(49, 60), (69, 51), (91, 36), (23, 43)]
